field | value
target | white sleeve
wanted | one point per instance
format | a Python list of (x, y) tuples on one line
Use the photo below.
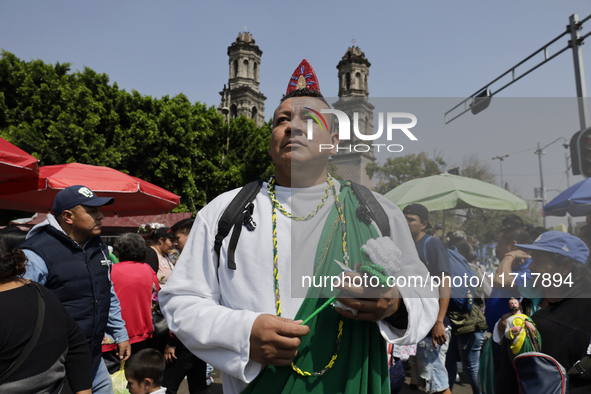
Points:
[(422, 302), (191, 303)]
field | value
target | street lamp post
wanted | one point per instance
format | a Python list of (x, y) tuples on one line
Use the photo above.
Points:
[(481, 99), (501, 158), (540, 152), (226, 111), (569, 218)]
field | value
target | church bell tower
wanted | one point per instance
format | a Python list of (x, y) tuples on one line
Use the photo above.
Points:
[(353, 97), (242, 95)]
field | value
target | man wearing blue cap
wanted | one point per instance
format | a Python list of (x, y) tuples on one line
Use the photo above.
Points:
[(67, 255), (558, 266)]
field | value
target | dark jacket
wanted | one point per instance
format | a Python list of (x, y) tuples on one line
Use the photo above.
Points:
[(80, 278), (565, 328)]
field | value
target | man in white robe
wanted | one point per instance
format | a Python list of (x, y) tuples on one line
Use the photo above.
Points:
[(228, 317)]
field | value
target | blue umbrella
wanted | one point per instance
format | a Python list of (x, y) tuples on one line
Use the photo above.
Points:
[(576, 200)]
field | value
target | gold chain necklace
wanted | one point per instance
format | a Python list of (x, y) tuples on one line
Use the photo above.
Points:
[(271, 190), (276, 206)]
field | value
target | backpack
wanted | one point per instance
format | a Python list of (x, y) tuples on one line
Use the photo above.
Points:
[(238, 214), (460, 299), (540, 373)]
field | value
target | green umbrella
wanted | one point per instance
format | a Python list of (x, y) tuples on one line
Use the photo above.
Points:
[(447, 191)]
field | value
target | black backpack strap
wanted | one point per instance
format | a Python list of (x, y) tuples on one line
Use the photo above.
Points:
[(583, 365), (580, 367), (34, 338), (238, 211), (370, 208)]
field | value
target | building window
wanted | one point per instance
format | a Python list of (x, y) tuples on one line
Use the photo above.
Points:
[(233, 111), (358, 81), (254, 113), (235, 68), (348, 81)]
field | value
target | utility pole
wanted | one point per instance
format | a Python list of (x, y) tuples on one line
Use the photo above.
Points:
[(501, 158), (539, 152), (569, 218), (575, 43), (227, 110), (229, 116)]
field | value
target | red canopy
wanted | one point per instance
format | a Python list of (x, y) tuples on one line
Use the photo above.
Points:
[(15, 162), (133, 196), (115, 224)]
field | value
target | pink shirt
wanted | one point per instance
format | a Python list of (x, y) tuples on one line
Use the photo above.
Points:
[(133, 282)]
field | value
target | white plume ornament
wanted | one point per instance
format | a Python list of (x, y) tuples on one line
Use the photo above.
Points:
[(383, 252)]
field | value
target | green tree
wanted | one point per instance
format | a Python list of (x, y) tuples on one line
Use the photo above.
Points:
[(55, 116), (62, 117), (398, 170)]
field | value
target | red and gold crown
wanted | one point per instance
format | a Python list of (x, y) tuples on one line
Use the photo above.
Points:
[(303, 77)]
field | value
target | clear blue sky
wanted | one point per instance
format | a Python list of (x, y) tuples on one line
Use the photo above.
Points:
[(417, 49)]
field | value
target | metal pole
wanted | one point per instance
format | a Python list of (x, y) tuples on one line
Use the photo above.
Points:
[(579, 70), (542, 191), (229, 113), (228, 138), (443, 236), (501, 158), (569, 218)]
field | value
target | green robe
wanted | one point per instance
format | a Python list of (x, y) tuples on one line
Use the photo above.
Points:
[(361, 363)]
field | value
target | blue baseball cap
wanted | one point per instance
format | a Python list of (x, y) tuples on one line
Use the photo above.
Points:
[(75, 195), (562, 243)]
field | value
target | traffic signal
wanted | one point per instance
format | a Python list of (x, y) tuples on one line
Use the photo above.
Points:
[(454, 171), (580, 151)]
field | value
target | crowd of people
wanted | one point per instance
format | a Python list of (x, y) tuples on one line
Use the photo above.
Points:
[(236, 296), (98, 306)]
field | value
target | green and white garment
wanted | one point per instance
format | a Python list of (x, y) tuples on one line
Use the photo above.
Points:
[(212, 309), (360, 365)]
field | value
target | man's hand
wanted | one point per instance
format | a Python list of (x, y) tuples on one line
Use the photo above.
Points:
[(519, 255), (274, 340), (169, 354), (372, 304), (438, 335), (515, 329), (124, 350), (503, 278)]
